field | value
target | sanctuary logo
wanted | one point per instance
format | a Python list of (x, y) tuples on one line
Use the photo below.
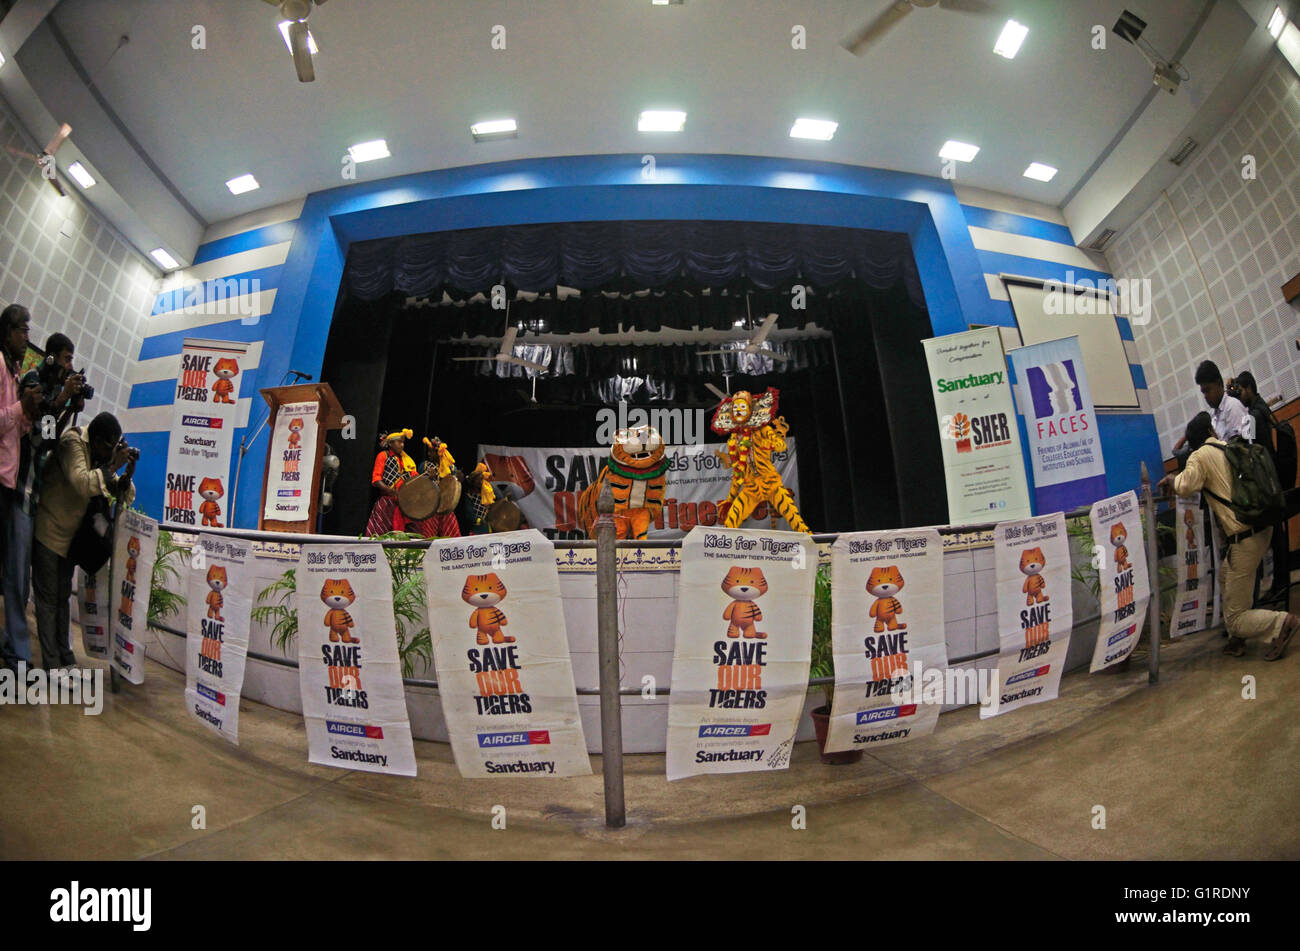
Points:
[(37, 687), (76, 904)]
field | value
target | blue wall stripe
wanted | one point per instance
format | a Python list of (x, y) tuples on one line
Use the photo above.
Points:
[(246, 241), (1125, 329), (1017, 224), (996, 263), (162, 392), (1005, 313), (169, 344), (215, 289), (1139, 376)]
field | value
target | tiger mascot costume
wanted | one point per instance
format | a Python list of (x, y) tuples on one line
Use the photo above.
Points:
[(637, 473), (754, 432)]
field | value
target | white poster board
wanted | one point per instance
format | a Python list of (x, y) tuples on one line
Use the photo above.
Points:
[(135, 544), (292, 463), (219, 603), (1125, 582), (1193, 553)]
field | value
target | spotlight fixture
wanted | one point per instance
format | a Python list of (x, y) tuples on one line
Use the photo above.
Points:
[(821, 129), (369, 151), (80, 175), (494, 129), (659, 120), (961, 151), (1167, 74), (244, 183)]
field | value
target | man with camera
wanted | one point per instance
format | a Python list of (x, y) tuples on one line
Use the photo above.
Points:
[(19, 408)]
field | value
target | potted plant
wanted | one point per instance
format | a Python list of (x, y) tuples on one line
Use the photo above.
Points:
[(823, 665)]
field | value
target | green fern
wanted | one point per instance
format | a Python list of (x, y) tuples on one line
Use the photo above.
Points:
[(164, 602), (823, 651), (273, 610)]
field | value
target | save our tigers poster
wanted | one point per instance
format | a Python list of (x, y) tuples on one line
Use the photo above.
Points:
[(219, 602), (135, 543), (1031, 560), (887, 628), (742, 652), (292, 463), (500, 647), (1192, 594), (1122, 571), (93, 596), (349, 671)]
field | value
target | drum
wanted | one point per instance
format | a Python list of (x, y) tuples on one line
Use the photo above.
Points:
[(418, 498), (448, 493), (504, 516)]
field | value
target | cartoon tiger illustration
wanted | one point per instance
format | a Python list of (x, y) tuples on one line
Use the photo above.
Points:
[(1118, 536), (217, 581), (1032, 562), (637, 473), (295, 432), (132, 553), (226, 370), (744, 586), (754, 432), (338, 595), (884, 583), (211, 490), (484, 593)]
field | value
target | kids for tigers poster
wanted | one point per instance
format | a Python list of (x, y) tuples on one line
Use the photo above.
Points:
[(502, 655), (353, 700), (1031, 560), (135, 544), (743, 648), (93, 596), (1192, 594), (886, 629), (292, 463), (203, 423), (1125, 583), (216, 647)]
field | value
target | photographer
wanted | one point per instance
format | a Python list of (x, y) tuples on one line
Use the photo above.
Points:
[(19, 406), (64, 392)]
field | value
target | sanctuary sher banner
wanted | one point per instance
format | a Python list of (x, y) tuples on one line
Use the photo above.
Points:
[(93, 597), (135, 544), (203, 423), (502, 655), (1125, 585), (1192, 594), (353, 701), (1035, 614), (741, 658), (983, 464), (292, 463), (216, 646), (886, 629)]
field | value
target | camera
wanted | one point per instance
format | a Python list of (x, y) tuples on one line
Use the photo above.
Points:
[(87, 391)]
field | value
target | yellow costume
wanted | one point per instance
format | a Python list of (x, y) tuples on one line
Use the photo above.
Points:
[(752, 436)]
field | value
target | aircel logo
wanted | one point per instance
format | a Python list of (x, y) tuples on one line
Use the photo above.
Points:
[(77, 904), (968, 382)]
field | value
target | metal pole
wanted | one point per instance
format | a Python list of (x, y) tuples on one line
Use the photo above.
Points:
[(1153, 579), (611, 714)]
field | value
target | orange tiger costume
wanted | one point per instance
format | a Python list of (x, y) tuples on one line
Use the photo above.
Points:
[(753, 433), (637, 473)]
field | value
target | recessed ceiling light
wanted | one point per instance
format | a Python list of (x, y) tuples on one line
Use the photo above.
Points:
[(1040, 172), (369, 151), (2, 59), (83, 177), (311, 40), (1289, 45), (822, 129), (494, 129), (168, 262), (657, 120), (664, 3), (1275, 23), (244, 183), (961, 151), (1008, 44)]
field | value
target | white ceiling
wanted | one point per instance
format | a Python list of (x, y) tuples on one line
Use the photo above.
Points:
[(576, 73)]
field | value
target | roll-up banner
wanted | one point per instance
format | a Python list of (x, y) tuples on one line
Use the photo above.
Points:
[(219, 603), (887, 630), (983, 463), (349, 672), (505, 674), (292, 462), (1118, 541), (1064, 448), (93, 598), (1031, 559), (743, 649), (1191, 596), (135, 544), (203, 423)]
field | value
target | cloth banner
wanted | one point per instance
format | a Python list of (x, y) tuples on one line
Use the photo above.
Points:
[(94, 594), (353, 700), (1064, 449), (1035, 611), (216, 646), (742, 652), (1125, 583), (983, 464), (1192, 595), (884, 638), (135, 545), (292, 463), (203, 425), (546, 483), (506, 677)]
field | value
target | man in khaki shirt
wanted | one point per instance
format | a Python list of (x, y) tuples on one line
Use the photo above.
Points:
[(1208, 468)]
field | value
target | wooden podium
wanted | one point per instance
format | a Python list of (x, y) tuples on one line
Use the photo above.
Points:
[(329, 416)]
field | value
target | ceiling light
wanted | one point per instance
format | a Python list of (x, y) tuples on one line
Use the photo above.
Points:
[(1040, 172), (961, 151), (2, 59), (1289, 45), (661, 121), (822, 129), (244, 183), (168, 262), (83, 177), (1008, 44), (1275, 23), (369, 151), (311, 40), (494, 129)]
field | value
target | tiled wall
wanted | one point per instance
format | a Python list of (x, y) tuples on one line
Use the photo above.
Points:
[(1217, 251)]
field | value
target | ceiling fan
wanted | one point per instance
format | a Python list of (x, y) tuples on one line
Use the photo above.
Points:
[(755, 345), (296, 12), (857, 43), (506, 354), (45, 161)]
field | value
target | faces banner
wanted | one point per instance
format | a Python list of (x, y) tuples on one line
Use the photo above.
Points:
[(546, 483), (744, 640), (1031, 559), (506, 676), (216, 646), (135, 544), (982, 460), (292, 463), (884, 638), (203, 423), (93, 598), (1064, 450), (1125, 584), (353, 700), (1191, 596)]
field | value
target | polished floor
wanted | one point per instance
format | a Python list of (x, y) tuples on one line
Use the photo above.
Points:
[(1187, 769)]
